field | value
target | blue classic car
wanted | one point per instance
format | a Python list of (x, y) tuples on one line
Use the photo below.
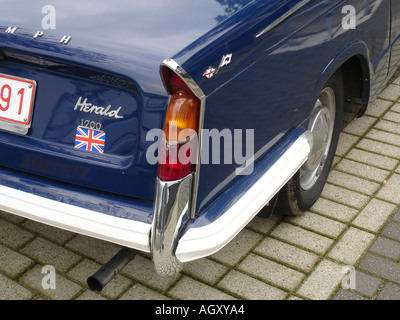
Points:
[(166, 126)]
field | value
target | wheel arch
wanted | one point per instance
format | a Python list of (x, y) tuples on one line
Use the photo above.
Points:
[(356, 70)]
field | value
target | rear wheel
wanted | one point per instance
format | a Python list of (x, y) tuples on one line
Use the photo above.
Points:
[(306, 186)]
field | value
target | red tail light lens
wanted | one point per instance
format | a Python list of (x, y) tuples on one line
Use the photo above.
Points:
[(181, 126)]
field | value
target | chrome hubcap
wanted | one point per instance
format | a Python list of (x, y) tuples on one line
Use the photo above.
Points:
[(321, 126)]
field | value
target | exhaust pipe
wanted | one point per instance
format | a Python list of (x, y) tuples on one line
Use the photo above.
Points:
[(108, 271)]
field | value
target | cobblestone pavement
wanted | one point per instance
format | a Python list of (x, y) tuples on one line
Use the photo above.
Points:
[(346, 247)]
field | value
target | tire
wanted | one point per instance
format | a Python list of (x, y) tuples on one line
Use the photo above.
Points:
[(305, 187)]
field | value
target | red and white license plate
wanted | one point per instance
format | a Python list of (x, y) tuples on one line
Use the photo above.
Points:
[(16, 100)]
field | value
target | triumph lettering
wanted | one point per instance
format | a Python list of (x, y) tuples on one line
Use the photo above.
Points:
[(11, 30), (86, 107)]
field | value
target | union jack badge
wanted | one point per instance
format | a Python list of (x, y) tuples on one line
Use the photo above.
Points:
[(90, 140), (209, 72)]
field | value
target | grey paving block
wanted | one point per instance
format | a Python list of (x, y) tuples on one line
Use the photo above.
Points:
[(366, 284), (344, 196), (343, 294), (320, 224), (139, 292), (373, 159), (272, 272), (190, 289), (238, 247), (64, 288), (351, 246), (323, 281), (205, 270), (387, 248), (250, 288), (303, 238), (49, 253), (392, 230), (10, 290), (396, 217), (13, 263), (12, 235), (391, 191), (381, 267), (389, 292), (142, 270), (287, 254), (374, 215)]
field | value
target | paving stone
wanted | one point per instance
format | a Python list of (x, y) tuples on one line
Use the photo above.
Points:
[(264, 225), (393, 116), (49, 253), (345, 196), (12, 235), (386, 247), (205, 269), (381, 267), (389, 126), (374, 215), (334, 210), (347, 295), (322, 282), (359, 126), (352, 182), (90, 295), (396, 217), (249, 288), (366, 284), (391, 191), (377, 160), (389, 292), (378, 107), (395, 107), (287, 254), (378, 147), (320, 224), (190, 289), (142, 270), (84, 269), (10, 290), (100, 251), (54, 234), (392, 230), (139, 292), (272, 272), (304, 238), (238, 247), (64, 288), (351, 246), (346, 142), (11, 217), (384, 136), (363, 170), (391, 92), (13, 263)]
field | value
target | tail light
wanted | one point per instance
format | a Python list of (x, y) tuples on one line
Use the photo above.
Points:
[(180, 146)]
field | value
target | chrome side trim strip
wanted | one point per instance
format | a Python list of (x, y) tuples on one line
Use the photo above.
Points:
[(125, 232), (201, 242), (171, 205), (283, 18)]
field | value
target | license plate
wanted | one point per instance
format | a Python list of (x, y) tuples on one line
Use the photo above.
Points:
[(16, 103)]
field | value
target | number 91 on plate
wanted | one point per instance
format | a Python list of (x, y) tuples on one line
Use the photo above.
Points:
[(16, 100)]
